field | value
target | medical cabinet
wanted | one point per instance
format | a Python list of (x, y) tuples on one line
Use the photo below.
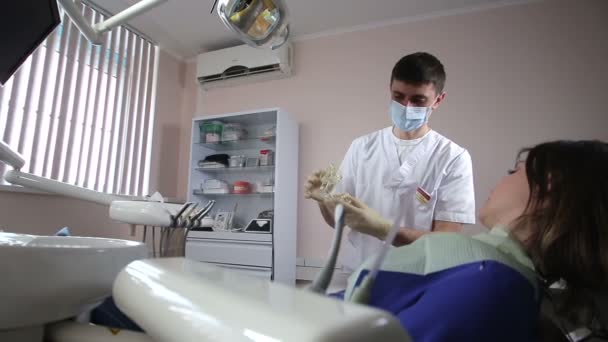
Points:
[(248, 163)]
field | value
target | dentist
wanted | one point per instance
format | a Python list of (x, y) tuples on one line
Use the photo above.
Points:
[(408, 172)]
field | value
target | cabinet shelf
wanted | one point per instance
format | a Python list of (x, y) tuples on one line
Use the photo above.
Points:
[(242, 144), (255, 194), (236, 169)]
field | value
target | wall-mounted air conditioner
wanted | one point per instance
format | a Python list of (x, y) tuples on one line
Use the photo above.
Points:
[(243, 64)]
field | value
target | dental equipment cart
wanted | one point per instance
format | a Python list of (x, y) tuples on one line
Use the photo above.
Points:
[(247, 136)]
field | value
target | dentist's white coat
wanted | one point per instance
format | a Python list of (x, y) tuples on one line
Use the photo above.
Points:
[(372, 172)]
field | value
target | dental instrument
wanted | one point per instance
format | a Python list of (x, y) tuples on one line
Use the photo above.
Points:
[(323, 279), (362, 292)]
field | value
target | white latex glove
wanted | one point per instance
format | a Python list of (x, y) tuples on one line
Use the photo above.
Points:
[(362, 218)]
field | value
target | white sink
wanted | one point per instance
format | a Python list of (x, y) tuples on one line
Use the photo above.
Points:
[(50, 278)]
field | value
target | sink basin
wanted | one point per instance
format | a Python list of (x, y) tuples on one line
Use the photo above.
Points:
[(50, 278)]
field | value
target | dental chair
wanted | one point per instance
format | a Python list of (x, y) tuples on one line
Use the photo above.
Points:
[(53, 281)]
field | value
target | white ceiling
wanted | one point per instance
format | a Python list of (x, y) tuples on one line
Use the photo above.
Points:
[(186, 28)]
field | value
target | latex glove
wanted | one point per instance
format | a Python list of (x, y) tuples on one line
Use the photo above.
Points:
[(358, 216), (321, 183), (313, 187), (317, 187)]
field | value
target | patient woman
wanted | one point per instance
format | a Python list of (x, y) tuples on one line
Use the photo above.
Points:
[(549, 222)]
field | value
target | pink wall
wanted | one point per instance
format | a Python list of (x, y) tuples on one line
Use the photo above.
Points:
[(45, 214), (517, 75)]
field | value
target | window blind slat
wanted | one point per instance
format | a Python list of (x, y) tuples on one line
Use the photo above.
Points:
[(29, 100), (124, 113), (84, 138), (104, 151), (92, 163), (12, 120), (152, 116), (37, 157), (80, 60), (142, 187), (132, 123), (116, 118), (65, 114), (31, 97), (66, 29), (129, 133), (138, 119), (5, 93), (5, 89)]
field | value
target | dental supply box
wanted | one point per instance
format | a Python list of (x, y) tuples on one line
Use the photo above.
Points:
[(273, 184)]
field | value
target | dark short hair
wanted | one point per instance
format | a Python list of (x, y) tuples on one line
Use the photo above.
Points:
[(420, 68)]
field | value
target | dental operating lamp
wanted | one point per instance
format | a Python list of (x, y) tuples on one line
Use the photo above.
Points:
[(259, 23)]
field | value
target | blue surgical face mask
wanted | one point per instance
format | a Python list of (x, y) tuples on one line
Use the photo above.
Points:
[(408, 118)]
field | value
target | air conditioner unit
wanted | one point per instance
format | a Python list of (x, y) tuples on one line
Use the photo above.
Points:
[(243, 64)]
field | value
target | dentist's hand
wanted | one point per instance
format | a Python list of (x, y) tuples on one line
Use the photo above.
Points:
[(362, 218), (313, 187), (313, 191)]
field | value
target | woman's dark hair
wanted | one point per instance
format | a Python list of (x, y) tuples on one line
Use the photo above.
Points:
[(567, 213)]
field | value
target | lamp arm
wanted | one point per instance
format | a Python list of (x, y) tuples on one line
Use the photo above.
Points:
[(94, 32)]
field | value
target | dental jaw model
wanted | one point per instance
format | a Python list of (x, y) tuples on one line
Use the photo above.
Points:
[(330, 177)]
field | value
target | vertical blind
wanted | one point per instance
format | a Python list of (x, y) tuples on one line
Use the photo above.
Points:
[(82, 113)]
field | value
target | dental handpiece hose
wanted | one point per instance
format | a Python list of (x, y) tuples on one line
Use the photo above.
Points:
[(323, 279), (362, 292)]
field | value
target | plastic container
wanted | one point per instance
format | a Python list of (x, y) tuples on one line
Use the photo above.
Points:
[(264, 188), (233, 132), (207, 222), (242, 187), (211, 131), (266, 157), (269, 134), (237, 161), (252, 162), (215, 186)]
